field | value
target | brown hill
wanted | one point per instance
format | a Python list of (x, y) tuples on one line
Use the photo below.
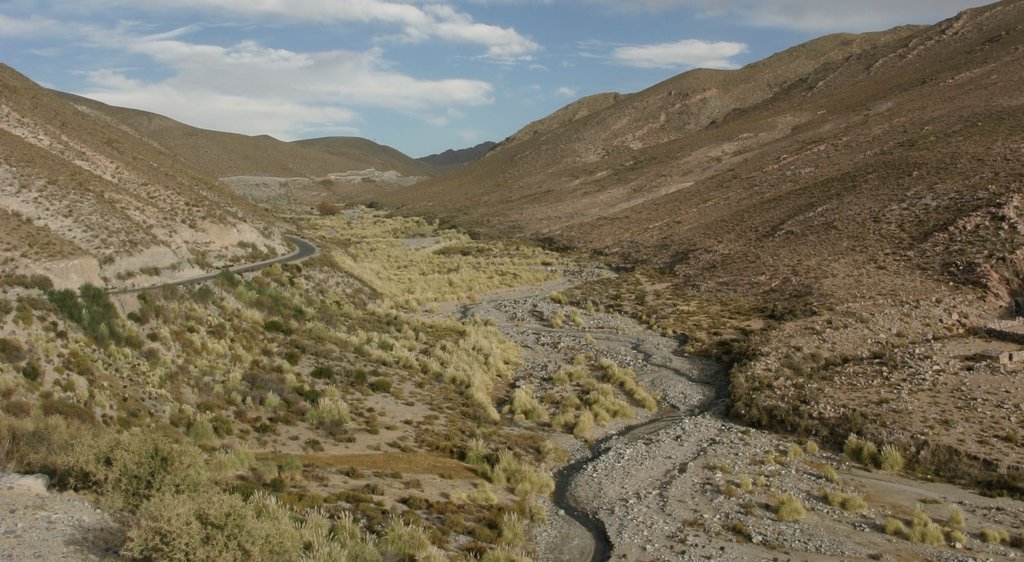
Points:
[(452, 158), (863, 190), (362, 154), (84, 200), (217, 154)]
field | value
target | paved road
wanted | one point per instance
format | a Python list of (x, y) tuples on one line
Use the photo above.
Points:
[(303, 250)]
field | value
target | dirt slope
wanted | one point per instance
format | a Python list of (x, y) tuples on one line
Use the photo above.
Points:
[(83, 200), (858, 195)]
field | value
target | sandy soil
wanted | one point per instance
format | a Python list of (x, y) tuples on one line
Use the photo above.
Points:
[(38, 525)]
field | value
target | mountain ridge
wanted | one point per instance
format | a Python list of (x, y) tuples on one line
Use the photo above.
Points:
[(220, 154)]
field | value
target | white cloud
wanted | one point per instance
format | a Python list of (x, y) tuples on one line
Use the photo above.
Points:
[(417, 23), (254, 89), (566, 92), (687, 53), (34, 26), (812, 15)]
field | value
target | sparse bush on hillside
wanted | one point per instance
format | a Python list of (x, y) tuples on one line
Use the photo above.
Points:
[(895, 527), (523, 406), (956, 518), (890, 459), (860, 450), (923, 530), (788, 507), (329, 412), (995, 536), (93, 311), (520, 476), (844, 501)]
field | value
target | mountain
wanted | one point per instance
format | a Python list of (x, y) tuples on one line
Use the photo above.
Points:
[(842, 218), (217, 154), (84, 199), (454, 158), (362, 154)]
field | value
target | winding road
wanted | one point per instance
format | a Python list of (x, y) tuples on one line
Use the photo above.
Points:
[(303, 249)]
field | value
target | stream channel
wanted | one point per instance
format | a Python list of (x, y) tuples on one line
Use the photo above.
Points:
[(688, 386)]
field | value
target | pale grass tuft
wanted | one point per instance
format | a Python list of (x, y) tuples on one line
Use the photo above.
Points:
[(788, 507)]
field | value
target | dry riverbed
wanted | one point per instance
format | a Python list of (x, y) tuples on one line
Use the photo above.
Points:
[(688, 484)]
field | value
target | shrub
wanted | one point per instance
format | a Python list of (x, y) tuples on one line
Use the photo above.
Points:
[(956, 518), (811, 447), (557, 321), (511, 529), (328, 412), (830, 474), (404, 539), (524, 406), (18, 408), (795, 452), (844, 501), (584, 424), (476, 452), (860, 450), (890, 459), (994, 536), (213, 527), (788, 507), (924, 531), (67, 304), (521, 476), (558, 298), (101, 320), (746, 483), (380, 385), (32, 370), (894, 527), (11, 351), (201, 431), (130, 468)]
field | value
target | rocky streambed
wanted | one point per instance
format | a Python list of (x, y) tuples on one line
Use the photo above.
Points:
[(685, 483)]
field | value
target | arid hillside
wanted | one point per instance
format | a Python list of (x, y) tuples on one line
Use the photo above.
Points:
[(452, 158), (217, 154), (84, 200), (842, 219)]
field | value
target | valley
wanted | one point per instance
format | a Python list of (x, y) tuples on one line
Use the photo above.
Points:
[(769, 313)]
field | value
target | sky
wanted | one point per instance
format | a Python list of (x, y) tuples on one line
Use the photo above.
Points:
[(421, 76)]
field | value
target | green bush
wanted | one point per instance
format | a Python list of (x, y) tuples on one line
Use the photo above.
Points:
[(92, 310)]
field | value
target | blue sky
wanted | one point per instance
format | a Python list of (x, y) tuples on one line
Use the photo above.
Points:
[(419, 76)]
